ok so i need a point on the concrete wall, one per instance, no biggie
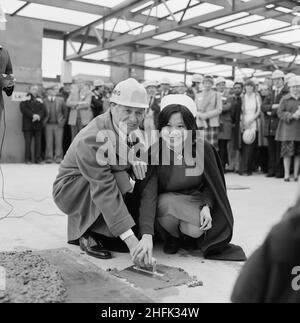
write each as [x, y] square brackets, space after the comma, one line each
[23, 39]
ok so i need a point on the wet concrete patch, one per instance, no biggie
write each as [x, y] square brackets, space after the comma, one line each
[57, 276]
[168, 277]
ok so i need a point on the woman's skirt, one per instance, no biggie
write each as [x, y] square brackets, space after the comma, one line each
[183, 207]
[290, 149]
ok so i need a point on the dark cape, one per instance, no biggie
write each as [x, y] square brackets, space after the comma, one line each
[272, 274]
[216, 243]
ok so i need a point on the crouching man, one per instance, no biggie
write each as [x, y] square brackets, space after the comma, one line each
[95, 195]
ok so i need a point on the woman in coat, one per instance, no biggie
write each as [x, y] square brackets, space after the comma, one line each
[209, 105]
[251, 110]
[288, 132]
[185, 185]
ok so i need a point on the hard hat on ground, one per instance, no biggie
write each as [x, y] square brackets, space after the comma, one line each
[249, 136]
[179, 99]
[130, 93]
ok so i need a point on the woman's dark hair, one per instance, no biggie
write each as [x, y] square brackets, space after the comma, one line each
[188, 118]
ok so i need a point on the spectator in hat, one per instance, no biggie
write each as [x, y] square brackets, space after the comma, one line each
[251, 109]
[179, 88]
[97, 98]
[234, 146]
[270, 107]
[288, 131]
[80, 103]
[196, 88]
[225, 121]
[165, 87]
[209, 105]
[57, 113]
[151, 117]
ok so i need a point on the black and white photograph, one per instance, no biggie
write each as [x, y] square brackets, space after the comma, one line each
[149, 154]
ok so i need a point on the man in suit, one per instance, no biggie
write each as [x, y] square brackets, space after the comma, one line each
[270, 107]
[34, 113]
[7, 81]
[93, 189]
[57, 114]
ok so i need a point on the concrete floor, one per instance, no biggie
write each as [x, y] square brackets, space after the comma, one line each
[256, 210]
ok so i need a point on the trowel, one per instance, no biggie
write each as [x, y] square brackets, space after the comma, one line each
[152, 271]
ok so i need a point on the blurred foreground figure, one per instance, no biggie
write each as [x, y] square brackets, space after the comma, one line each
[272, 274]
[7, 81]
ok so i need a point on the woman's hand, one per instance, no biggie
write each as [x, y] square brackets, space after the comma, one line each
[205, 219]
[142, 253]
[139, 169]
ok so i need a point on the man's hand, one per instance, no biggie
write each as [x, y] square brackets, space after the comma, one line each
[132, 243]
[139, 169]
[142, 253]
[205, 219]
[36, 117]
[275, 106]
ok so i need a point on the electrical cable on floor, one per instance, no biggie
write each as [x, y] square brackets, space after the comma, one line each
[5, 200]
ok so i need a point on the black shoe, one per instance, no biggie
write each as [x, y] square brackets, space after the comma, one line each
[189, 243]
[93, 247]
[249, 174]
[111, 244]
[172, 245]
[287, 180]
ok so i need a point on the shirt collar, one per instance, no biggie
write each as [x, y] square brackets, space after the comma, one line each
[294, 97]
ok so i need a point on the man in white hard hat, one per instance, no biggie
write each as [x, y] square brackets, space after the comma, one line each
[270, 107]
[93, 184]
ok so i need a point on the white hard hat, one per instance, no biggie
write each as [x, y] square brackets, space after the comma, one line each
[220, 80]
[255, 80]
[130, 93]
[150, 83]
[229, 84]
[197, 78]
[98, 83]
[249, 136]
[294, 81]
[165, 81]
[278, 75]
[179, 99]
[289, 76]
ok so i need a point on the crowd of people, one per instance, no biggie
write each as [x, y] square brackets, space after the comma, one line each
[253, 124]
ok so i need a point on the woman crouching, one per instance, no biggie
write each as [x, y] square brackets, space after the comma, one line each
[186, 187]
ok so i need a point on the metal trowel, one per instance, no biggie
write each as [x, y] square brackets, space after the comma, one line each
[152, 271]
